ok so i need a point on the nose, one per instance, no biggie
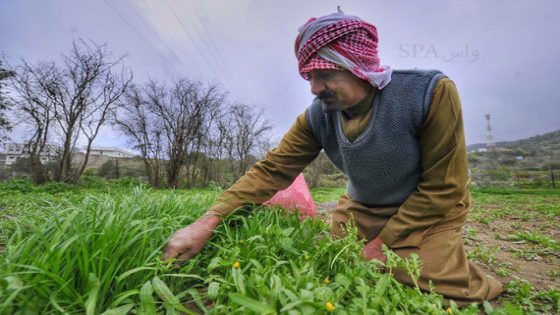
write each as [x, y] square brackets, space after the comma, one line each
[317, 85]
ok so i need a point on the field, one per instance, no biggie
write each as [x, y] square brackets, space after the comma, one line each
[96, 249]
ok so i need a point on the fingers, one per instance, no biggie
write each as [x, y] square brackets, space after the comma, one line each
[175, 249]
[170, 252]
[180, 250]
[373, 250]
[186, 255]
[189, 241]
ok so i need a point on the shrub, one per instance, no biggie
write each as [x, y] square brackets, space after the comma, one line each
[17, 184]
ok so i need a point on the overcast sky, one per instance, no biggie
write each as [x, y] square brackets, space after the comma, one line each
[502, 55]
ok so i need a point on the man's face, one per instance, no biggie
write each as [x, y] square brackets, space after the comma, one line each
[337, 89]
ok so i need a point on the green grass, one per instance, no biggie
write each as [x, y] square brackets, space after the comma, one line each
[75, 256]
[322, 194]
[83, 250]
[101, 253]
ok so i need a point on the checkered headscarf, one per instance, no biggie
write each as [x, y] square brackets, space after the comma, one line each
[339, 41]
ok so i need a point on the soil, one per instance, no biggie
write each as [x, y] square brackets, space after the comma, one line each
[541, 269]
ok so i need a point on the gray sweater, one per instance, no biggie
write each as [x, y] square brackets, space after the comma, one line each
[383, 164]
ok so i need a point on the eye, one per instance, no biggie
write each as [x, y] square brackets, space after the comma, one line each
[324, 75]
[321, 75]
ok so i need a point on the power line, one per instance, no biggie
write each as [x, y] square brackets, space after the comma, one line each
[157, 35]
[162, 57]
[177, 44]
[194, 42]
[214, 49]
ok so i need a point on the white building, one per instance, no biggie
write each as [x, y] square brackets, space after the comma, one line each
[13, 151]
[111, 152]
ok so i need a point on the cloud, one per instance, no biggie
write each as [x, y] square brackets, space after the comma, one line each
[248, 46]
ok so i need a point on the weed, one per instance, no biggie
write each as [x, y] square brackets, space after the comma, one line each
[483, 254]
[503, 272]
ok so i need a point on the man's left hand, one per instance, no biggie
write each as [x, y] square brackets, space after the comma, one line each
[374, 250]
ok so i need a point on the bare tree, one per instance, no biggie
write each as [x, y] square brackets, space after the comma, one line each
[35, 106]
[134, 119]
[179, 117]
[79, 95]
[219, 151]
[250, 130]
[209, 104]
[84, 91]
[5, 125]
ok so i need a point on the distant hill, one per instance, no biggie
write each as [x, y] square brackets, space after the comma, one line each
[534, 160]
[476, 146]
[547, 143]
[550, 140]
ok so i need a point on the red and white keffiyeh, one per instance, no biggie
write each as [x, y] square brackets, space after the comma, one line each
[340, 41]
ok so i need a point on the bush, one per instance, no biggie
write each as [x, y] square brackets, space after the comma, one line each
[17, 184]
[128, 182]
[89, 180]
[54, 187]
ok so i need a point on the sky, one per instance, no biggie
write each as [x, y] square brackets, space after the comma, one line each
[502, 55]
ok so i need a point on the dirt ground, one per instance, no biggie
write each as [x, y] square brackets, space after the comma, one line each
[509, 243]
[517, 259]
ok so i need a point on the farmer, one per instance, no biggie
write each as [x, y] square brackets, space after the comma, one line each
[397, 135]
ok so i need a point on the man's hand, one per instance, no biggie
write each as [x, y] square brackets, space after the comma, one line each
[190, 240]
[373, 250]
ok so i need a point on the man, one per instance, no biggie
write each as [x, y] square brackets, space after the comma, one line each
[397, 135]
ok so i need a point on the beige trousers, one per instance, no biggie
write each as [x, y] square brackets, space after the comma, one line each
[444, 261]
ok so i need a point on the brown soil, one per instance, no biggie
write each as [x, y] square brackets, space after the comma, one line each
[541, 269]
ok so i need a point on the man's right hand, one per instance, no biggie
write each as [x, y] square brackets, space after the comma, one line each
[374, 250]
[190, 240]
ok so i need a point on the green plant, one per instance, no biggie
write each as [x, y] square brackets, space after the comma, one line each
[483, 254]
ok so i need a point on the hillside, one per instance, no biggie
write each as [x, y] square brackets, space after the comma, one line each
[533, 160]
[547, 140]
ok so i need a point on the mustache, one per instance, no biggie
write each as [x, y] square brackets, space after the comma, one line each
[328, 108]
[326, 94]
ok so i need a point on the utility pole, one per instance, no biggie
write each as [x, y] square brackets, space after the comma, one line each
[490, 144]
[552, 170]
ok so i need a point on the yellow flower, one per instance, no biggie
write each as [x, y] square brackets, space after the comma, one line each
[449, 310]
[330, 307]
[327, 280]
[236, 265]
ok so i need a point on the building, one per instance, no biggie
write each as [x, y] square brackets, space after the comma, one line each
[13, 151]
[111, 152]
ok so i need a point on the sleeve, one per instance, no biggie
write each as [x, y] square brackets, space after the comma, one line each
[444, 177]
[276, 172]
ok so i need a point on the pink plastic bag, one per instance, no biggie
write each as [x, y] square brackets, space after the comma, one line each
[296, 196]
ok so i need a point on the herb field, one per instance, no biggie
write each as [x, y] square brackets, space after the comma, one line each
[97, 250]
